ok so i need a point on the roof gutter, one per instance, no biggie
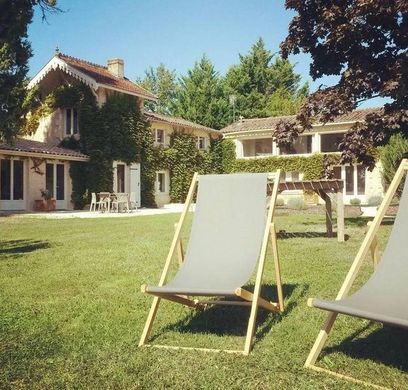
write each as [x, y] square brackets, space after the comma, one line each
[42, 154]
[271, 129]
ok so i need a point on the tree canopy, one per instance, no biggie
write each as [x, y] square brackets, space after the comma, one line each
[366, 44]
[15, 51]
[264, 85]
[260, 85]
[163, 83]
[200, 96]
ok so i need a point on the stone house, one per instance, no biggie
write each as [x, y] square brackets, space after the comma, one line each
[35, 163]
[253, 139]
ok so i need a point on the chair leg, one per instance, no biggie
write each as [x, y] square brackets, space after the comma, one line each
[321, 339]
[149, 322]
[275, 254]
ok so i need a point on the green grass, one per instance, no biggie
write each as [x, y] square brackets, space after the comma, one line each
[71, 312]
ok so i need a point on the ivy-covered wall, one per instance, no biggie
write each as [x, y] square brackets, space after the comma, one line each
[115, 131]
[182, 159]
[118, 131]
[313, 167]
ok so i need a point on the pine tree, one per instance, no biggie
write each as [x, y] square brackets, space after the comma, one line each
[262, 87]
[199, 96]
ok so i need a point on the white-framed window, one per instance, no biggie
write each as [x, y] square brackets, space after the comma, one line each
[354, 177]
[290, 176]
[71, 121]
[159, 136]
[161, 182]
[201, 143]
[301, 145]
[11, 179]
[329, 142]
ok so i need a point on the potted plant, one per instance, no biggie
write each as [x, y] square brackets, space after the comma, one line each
[354, 208]
[47, 203]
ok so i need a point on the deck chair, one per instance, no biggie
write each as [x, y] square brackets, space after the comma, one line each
[228, 238]
[384, 297]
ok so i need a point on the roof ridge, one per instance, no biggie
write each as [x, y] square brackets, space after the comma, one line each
[266, 117]
[170, 117]
[81, 60]
[294, 115]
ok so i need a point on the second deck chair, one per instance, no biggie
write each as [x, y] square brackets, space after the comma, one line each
[384, 297]
[229, 237]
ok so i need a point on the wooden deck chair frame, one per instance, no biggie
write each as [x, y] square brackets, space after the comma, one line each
[367, 245]
[249, 299]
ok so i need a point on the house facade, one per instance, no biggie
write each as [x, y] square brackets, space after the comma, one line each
[253, 139]
[163, 126]
[36, 163]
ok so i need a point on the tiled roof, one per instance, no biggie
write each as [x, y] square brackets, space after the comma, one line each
[102, 76]
[29, 146]
[270, 122]
[175, 121]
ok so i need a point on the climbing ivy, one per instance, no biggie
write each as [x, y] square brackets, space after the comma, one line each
[313, 167]
[115, 131]
[182, 159]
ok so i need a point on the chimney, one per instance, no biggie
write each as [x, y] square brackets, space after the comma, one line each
[116, 66]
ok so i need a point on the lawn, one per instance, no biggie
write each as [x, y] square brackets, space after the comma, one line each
[71, 312]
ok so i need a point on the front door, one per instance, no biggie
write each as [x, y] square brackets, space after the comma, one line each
[135, 183]
[55, 183]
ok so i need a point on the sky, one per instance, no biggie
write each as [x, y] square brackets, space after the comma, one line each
[173, 32]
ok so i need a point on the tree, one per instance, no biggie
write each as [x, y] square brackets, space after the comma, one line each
[391, 156]
[15, 51]
[264, 87]
[199, 96]
[366, 44]
[162, 82]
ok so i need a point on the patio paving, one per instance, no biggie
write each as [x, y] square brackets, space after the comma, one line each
[64, 214]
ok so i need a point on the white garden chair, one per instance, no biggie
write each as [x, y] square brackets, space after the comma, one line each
[121, 199]
[132, 201]
[104, 203]
[95, 203]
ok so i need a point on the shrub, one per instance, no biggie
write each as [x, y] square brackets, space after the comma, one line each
[374, 200]
[312, 167]
[296, 203]
[391, 156]
[279, 201]
[355, 201]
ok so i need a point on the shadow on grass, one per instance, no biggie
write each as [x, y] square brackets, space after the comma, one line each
[233, 320]
[16, 248]
[284, 235]
[362, 221]
[386, 345]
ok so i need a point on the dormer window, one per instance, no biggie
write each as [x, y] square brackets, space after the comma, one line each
[71, 121]
[159, 137]
[201, 144]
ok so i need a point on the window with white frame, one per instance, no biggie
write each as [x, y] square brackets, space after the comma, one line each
[263, 146]
[159, 136]
[71, 121]
[330, 142]
[291, 176]
[161, 181]
[201, 144]
[354, 177]
[301, 145]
